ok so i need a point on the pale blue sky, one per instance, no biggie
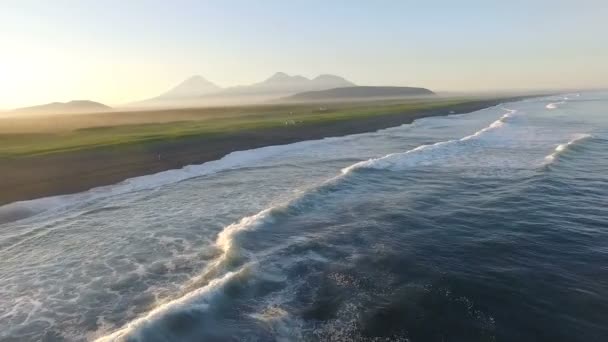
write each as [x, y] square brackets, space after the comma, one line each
[120, 51]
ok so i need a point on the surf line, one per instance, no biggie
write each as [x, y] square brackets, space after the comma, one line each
[392, 159]
[234, 262]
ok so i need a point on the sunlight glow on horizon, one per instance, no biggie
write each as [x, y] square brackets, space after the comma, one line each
[119, 52]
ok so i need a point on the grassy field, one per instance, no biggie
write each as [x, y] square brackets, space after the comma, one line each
[20, 137]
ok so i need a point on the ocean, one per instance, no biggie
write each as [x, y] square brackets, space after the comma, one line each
[486, 226]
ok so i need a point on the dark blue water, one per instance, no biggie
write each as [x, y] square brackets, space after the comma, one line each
[490, 226]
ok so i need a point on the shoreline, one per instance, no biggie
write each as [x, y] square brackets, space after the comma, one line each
[72, 172]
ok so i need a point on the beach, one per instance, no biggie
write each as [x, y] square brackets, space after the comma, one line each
[31, 177]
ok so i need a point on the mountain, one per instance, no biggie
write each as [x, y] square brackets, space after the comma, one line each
[77, 106]
[283, 84]
[197, 91]
[327, 81]
[194, 86]
[359, 93]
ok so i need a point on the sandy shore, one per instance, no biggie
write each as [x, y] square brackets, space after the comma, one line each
[63, 173]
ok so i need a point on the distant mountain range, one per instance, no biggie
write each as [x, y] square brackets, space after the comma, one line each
[197, 90]
[77, 106]
[194, 86]
[281, 83]
[361, 92]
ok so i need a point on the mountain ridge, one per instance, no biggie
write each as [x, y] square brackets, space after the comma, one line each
[193, 86]
[74, 106]
[360, 92]
[198, 89]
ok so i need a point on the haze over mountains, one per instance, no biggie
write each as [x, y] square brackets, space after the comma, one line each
[360, 92]
[192, 87]
[76, 106]
[197, 89]
[281, 83]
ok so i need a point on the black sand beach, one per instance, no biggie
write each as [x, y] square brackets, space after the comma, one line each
[69, 172]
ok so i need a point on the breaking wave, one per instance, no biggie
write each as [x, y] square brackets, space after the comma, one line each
[554, 105]
[234, 261]
[235, 160]
[199, 300]
[559, 149]
[233, 264]
[424, 154]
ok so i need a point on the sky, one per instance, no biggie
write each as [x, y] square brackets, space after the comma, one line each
[118, 51]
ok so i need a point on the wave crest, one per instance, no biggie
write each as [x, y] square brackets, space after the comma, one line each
[425, 153]
[554, 105]
[199, 300]
[23, 209]
[234, 260]
[559, 149]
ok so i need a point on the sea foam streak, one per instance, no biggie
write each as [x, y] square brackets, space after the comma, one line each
[554, 105]
[199, 300]
[23, 209]
[222, 270]
[232, 263]
[559, 149]
[425, 153]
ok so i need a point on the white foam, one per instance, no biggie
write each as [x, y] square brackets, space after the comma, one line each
[283, 326]
[425, 153]
[554, 105]
[226, 243]
[215, 276]
[559, 149]
[234, 160]
[198, 300]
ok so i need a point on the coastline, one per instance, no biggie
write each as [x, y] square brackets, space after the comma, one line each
[72, 172]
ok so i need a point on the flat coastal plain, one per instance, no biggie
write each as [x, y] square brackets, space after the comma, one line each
[42, 156]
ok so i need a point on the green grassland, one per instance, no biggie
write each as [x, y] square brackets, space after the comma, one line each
[62, 133]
